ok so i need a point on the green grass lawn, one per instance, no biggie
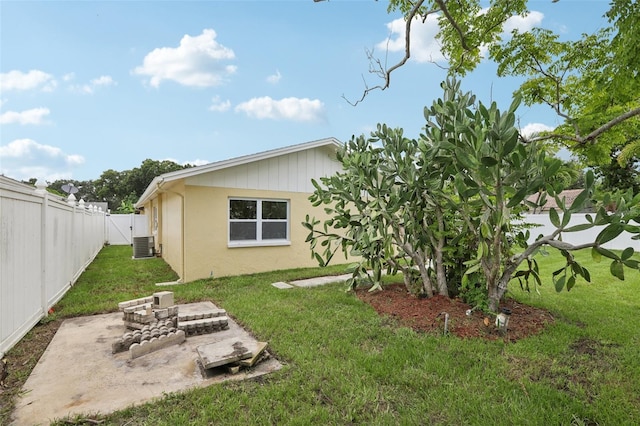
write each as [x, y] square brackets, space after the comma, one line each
[343, 364]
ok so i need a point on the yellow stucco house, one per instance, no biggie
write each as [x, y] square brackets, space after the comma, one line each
[241, 215]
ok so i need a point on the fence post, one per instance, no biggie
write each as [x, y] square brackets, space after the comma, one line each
[41, 189]
[44, 254]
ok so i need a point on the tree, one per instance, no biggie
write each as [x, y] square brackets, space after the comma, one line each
[389, 203]
[110, 187]
[383, 209]
[139, 178]
[619, 177]
[119, 189]
[127, 186]
[573, 174]
[86, 189]
[30, 181]
[592, 83]
[126, 207]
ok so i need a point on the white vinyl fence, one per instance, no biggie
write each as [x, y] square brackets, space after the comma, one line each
[582, 237]
[122, 228]
[45, 244]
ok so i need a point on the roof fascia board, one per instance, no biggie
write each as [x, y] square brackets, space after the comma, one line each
[158, 181]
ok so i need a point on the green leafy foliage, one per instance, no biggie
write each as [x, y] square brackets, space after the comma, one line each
[590, 82]
[119, 189]
[382, 208]
[444, 205]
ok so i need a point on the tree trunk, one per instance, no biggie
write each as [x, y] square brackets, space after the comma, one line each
[377, 274]
[418, 258]
[408, 279]
[427, 286]
[441, 275]
[497, 290]
[494, 299]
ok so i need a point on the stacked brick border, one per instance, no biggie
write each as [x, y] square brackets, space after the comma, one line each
[156, 324]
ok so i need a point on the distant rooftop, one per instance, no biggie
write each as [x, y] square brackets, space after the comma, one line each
[569, 196]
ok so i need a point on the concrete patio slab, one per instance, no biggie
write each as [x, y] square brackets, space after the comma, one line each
[314, 282]
[79, 374]
[223, 352]
[282, 285]
[168, 283]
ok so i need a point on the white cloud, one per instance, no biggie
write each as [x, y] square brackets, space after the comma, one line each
[294, 109]
[523, 23]
[26, 158]
[219, 105]
[103, 80]
[516, 22]
[31, 116]
[34, 79]
[424, 46]
[198, 61]
[533, 129]
[69, 76]
[196, 162]
[88, 89]
[274, 78]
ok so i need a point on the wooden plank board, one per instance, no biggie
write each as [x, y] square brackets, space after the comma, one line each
[249, 362]
[223, 352]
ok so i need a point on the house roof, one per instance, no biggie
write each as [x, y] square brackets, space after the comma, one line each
[569, 196]
[153, 187]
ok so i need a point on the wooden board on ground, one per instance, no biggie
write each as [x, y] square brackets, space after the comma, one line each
[255, 355]
[223, 352]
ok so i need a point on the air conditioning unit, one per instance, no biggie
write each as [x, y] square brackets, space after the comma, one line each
[143, 247]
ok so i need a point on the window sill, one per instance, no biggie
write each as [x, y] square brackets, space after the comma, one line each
[267, 243]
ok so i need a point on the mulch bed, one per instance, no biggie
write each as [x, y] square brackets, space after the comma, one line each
[428, 314]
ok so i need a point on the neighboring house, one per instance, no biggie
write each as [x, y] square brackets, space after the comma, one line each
[241, 215]
[569, 196]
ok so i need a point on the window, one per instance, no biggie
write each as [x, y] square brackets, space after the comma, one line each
[261, 222]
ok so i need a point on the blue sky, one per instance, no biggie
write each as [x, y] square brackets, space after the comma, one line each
[88, 86]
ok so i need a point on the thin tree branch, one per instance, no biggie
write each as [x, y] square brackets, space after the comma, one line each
[557, 81]
[454, 24]
[591, 137]
[554, 136]
[386, 72]
[562, 245]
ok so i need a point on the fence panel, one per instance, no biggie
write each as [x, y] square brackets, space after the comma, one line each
[45, 243]
[20, 273]
[121, 228]
[582, 237]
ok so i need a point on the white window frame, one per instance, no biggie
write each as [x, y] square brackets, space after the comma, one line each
[259, 242]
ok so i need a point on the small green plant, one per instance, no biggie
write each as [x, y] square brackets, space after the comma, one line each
[474, 294]
[47, 319]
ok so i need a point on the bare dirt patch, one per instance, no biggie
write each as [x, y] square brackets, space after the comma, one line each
[428, 314]
[21, 360]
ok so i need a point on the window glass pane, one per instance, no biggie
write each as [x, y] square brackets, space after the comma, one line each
[274, 209]
[243, 209]
[242, 231]
[274, 230]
